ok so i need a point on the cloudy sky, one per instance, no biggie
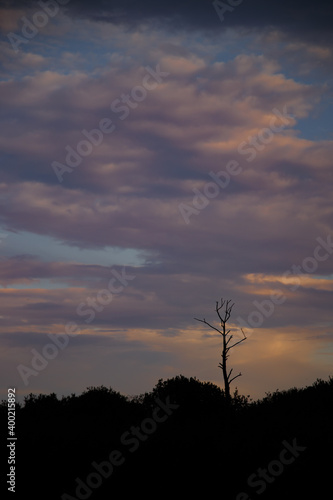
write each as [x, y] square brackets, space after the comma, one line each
[155, 157]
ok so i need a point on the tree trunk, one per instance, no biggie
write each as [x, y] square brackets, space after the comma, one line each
[224, 367]
[224, 318]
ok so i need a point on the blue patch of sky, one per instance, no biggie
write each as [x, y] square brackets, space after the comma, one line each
[49, 249]
[318, 125]
[92, 54]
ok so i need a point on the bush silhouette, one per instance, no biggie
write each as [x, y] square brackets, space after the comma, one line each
[202, 444]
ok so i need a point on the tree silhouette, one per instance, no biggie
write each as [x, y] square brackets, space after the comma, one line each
[224, 317]
[77, 433]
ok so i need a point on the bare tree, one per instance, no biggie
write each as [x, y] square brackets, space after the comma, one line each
[224, 316]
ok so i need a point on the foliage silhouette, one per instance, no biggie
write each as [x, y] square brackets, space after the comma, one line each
[202, 445]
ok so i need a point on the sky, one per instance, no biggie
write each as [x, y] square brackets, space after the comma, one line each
[155, 158]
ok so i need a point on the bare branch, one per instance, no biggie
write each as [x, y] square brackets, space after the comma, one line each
[227, 312]
[227, 342]
[222, 304]
[239, 375]
[218, 311]
[236, 343]
[223, 310]
[228, 309]
[206, 323]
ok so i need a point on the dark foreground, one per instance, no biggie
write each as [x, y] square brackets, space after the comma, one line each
[182, 439]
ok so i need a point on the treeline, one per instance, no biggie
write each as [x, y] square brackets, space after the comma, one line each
[182, 438]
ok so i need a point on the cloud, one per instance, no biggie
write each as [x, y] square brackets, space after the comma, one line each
[301, 280]
[216, 105]
[299, 19]
[38, 340]
[199, 115]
